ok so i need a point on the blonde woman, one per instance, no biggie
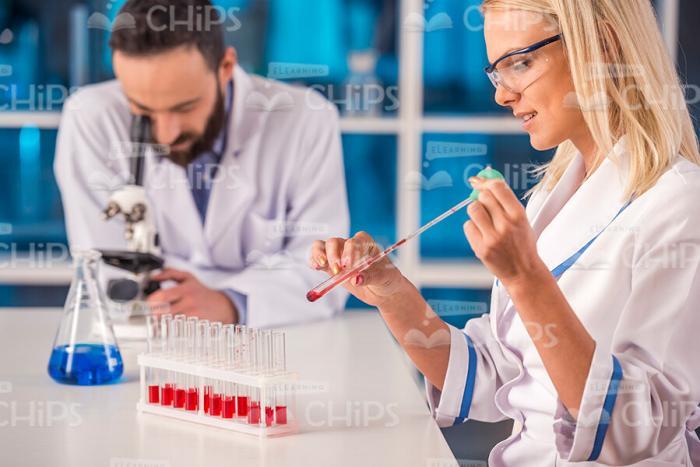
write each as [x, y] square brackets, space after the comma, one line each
[592, 339]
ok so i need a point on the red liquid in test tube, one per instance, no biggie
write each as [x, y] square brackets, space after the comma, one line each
[254, 413]
[229, 407]
[192, 399]
[207, 398]
[281, 415]
[227, 399]
[179, 399]
[153, 344]
[207, 351]
[269, 415]
[167, 387]
[191, 354]
[281, 392]
[166, 394]
[216, 405]
[154, 394]
[242, 406]
[177, 346]
[312, 296]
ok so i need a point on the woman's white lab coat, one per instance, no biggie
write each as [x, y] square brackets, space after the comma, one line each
[637, 291]
[279, 186]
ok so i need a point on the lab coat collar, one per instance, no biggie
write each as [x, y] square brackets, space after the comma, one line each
[548, 205]
[222, 140]
[244, 125]
[242, 122]
[576, 209]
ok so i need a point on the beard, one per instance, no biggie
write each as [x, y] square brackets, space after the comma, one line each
[204, 142]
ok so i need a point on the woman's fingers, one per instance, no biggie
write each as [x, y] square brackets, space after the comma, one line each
[369, 246]
[473, 235]
[334, 250]
[358, 248]
[502, 193]
[318, 258]
[380, 278]
[481, 218]
[350, 253]
[377, 273]
[344, 254]
[498, 215]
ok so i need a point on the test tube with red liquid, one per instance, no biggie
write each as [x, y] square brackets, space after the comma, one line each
[267, 403]
[279, 366]
[167, 386]
[192, 400]
[203, 357]
[228, 396]
[153, 346]
[254, 343]
[180, 393]
[243, 361]
[215, 352]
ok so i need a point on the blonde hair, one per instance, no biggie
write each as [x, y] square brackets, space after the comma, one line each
[615, 51]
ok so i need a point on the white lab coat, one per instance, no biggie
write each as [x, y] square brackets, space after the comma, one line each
[279, 186]
[636, 290]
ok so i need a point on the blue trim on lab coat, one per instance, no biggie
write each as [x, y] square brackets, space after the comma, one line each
[563, 267]
[469, 384]
[608, 406]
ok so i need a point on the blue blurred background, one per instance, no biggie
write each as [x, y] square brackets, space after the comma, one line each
[47, 48]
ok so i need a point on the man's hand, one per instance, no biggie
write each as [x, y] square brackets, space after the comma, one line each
[192, 298]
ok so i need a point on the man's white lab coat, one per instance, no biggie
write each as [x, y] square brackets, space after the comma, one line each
[637, 291]
[279, 186]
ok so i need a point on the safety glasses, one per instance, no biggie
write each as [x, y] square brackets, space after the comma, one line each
[520, 68]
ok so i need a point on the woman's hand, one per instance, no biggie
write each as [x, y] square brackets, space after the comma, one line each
[375, 285]
[499, 232]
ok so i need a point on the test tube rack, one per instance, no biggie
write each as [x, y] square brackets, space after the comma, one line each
[204, 376]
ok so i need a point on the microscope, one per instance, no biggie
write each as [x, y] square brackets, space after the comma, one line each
[142, 255]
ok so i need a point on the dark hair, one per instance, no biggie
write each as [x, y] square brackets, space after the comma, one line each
[147, 27]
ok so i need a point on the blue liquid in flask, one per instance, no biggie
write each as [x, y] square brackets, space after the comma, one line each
[86, 364]
[85, 350]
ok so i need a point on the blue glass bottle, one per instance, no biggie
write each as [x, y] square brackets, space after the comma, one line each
[85, 350]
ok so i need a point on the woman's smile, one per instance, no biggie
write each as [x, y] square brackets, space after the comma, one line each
[527, 119]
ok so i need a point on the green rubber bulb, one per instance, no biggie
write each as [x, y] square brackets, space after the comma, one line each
[488, 173]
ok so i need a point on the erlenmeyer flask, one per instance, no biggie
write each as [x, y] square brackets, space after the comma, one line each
[85, 350]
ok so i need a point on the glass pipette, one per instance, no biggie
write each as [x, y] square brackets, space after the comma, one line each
[332, 282]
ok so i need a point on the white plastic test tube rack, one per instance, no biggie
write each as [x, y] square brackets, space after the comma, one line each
[246, 364]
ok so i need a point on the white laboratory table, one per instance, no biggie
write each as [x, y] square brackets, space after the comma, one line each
[366, 407]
